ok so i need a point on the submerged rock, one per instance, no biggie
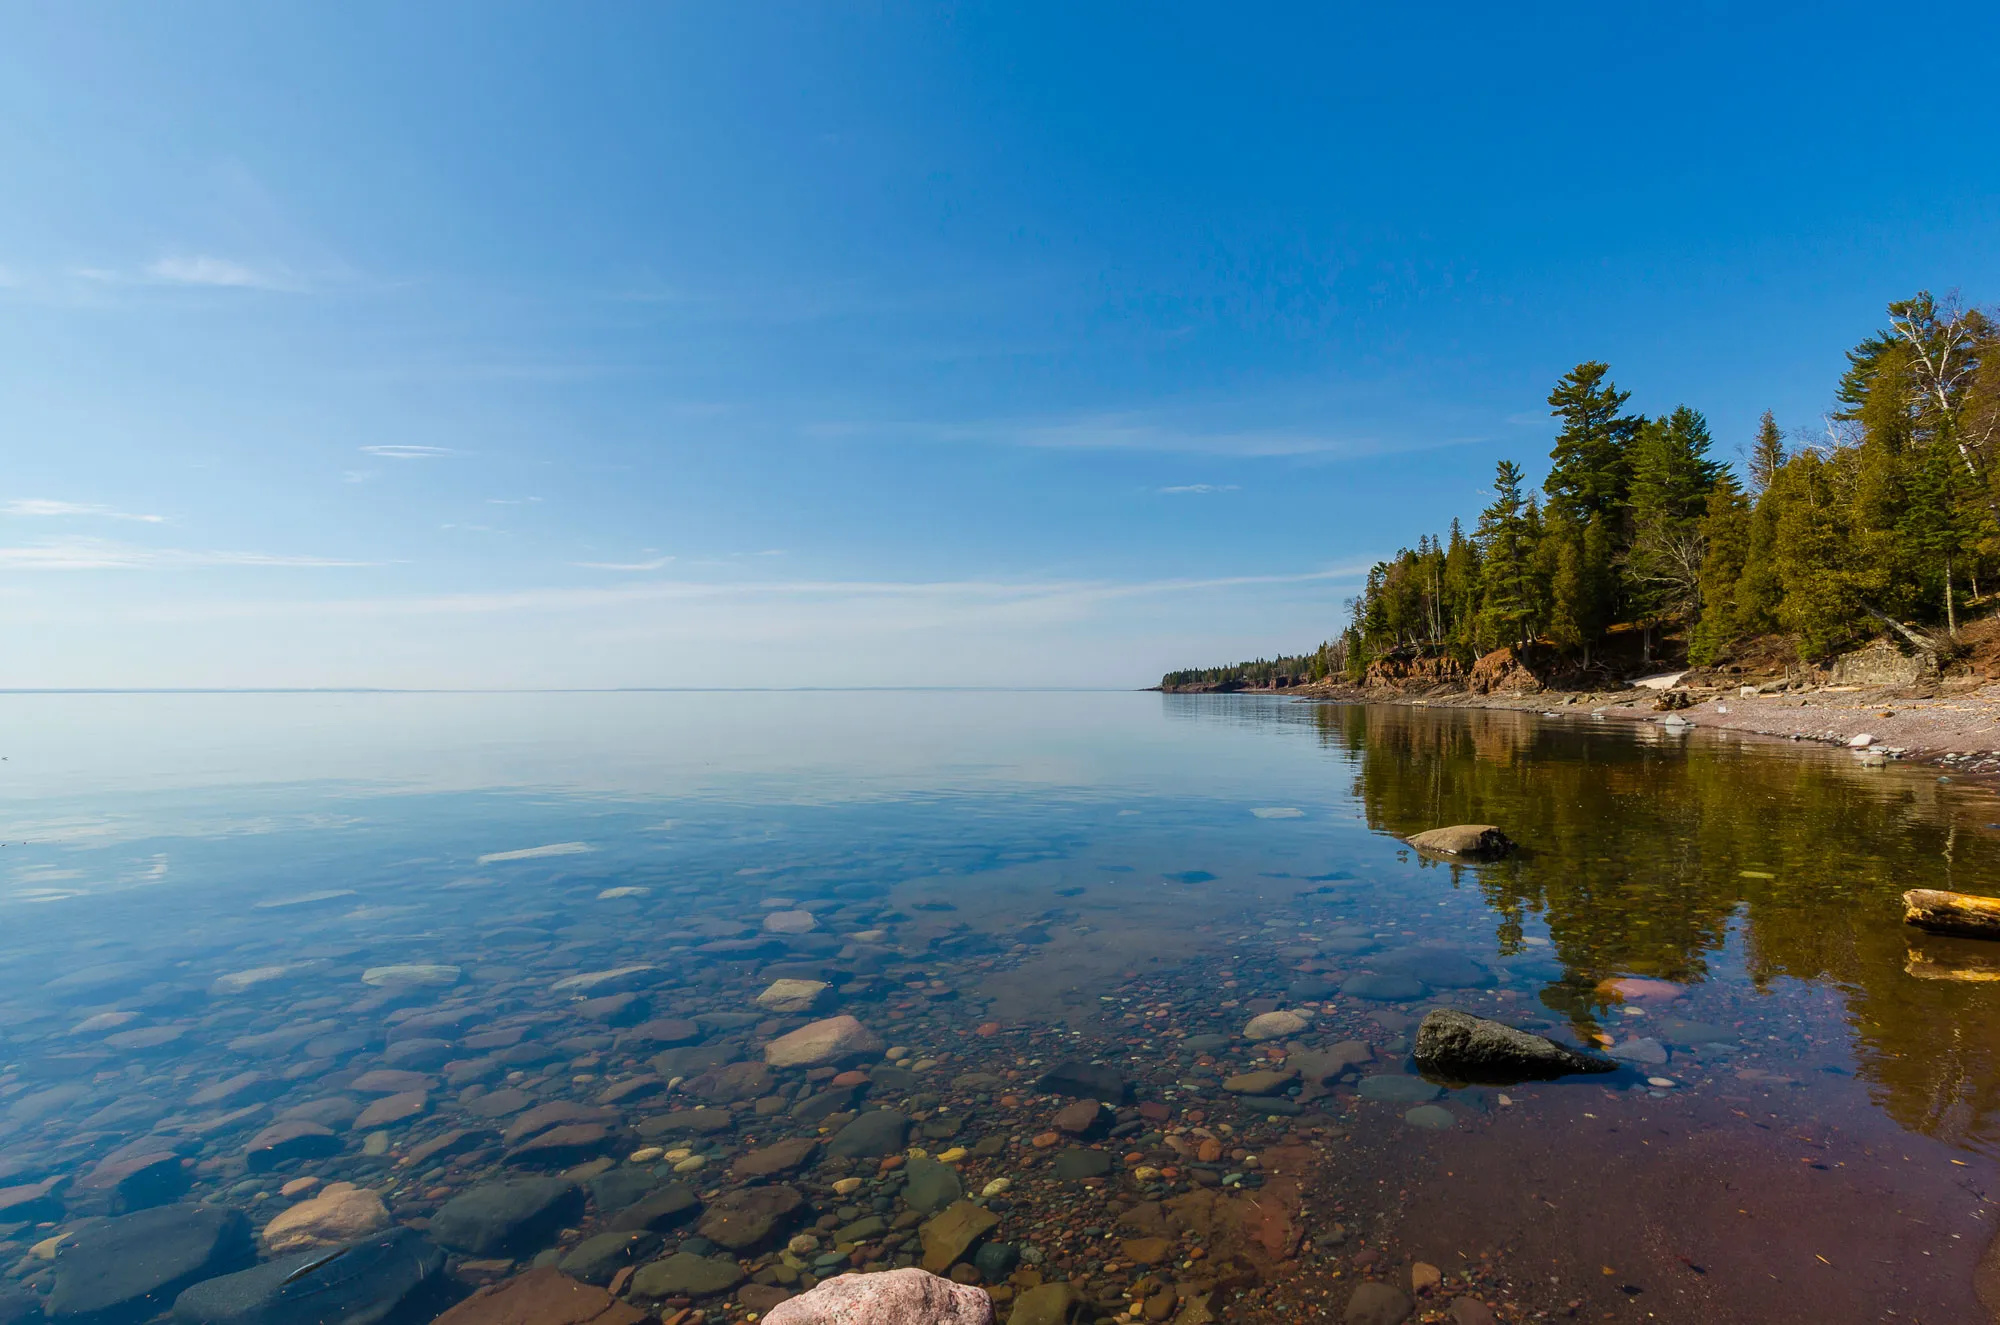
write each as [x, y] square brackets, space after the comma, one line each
[821, 1042]
[1377, 1304]
[132, 1267]
[506, 1217]
[684, 1272]
[1275, 1025]
[948, 1237]
[1462, 1047]
[1470, 841]
[360, 1284]
[891, 1297]
[740, 1220]
[341, 1213]
[545, 1296]
[1081, 1080]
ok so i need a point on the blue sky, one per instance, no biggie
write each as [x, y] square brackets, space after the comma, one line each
[890, 344]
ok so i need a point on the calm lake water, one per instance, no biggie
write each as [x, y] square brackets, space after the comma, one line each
[251, 941]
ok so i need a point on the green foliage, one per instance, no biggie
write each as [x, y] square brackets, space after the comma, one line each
[1264, 673]
[1726, 526]
[1895, 516]
[1590, 468]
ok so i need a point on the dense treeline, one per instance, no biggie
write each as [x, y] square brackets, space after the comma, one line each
[1891, 516]
[1263, 674]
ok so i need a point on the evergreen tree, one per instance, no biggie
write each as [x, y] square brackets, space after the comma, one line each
[1591, 470]
[1766, 454]
[1726, 533]
[1506, 553]
[1671, 478]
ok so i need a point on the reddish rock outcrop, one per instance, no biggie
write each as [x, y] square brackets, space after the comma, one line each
[891, 1297]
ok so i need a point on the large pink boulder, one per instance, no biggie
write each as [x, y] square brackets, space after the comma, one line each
[828, 1041]
[892, 1297]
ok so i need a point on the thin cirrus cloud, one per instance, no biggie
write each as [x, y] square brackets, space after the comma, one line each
[1133, 432]
[204, 269]
[1197, 489]
[928, 597]
[103, 554]
[395, 452]
[42, 507]
[657, 563]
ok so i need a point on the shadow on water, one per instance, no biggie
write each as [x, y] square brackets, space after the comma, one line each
[1644, 852]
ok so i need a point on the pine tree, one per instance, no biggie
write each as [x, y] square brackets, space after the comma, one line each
[1767, 453]
[1506, 574]
[1591, 470]
[1726, 531]
[1671, 479]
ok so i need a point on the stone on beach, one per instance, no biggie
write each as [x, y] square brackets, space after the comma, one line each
[1461, 1047]
[1470, 841]
[889, 1297]
[790, 922]
[831, 1040]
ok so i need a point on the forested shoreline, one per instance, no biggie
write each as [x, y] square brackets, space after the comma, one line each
[1885, 517]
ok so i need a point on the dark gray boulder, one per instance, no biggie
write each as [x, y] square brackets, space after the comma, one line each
[1457, 1046]
[1466, 841]
[659, 1210]
[1377, 1304]
[871, 1135]
[507, 1218]
[132, 1267]
[362, 1283]
[1084, 1081]
[598, 1260]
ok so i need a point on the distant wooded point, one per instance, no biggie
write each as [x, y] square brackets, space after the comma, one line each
[1886, 517]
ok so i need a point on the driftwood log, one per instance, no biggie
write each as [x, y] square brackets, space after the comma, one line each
[1963, 914]
[1978, 966]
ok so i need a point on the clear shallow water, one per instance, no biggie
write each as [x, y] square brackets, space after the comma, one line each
[1093, 875]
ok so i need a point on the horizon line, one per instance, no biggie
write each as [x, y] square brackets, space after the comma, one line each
[559, 690]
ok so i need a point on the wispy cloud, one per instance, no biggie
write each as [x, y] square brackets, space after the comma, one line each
[410, 452]
[103, 554]
[205, 269]
[657, 563]
[929, 600]
[1120, 432]
[42, 506]
[1198, 488]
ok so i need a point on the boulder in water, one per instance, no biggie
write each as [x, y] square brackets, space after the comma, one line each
[1461, 1047]
[132, 1267]
[1468, 841]
[358, 1284]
